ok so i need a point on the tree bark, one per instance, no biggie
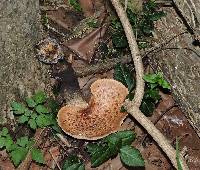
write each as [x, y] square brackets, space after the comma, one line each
[179, 60]
[20, 73]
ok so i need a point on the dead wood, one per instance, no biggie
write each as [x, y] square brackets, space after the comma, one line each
[101, 66]
[179, 60]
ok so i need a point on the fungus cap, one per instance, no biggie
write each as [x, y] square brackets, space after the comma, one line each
[100, 117]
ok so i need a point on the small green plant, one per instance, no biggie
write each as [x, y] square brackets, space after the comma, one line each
[153, 84]
[124, 75]
[73, 163]
[113, 144]
[118, 36]
[178, 155]
[142, 24]
[75, 4]
[19, 149]
[151, 97]
[156, 80]
[38, 111]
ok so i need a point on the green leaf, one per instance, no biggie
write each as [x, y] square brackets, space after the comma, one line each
[150, 6]
[23, 141]
[73, 163]
[147, 29]
[119, 40]
[56, 128]
[151, 78]
[164, 84]
[18, 155]
[132, 17]
[131, 156]
[30, 102]
[116, 25]
[102, 152]
[8, 143]
[109, 146]
[77, 166]
[23, 119]
[41, 109]
[32, 123]
[40, 97]
[126, 136]
[31, 142]
[114, 143]
[4, 132]
[124, 75]
[53, 105]
[157, 80]
[37, 155]
[179, 164]
[147, 106]
[72, 159]
[99, 154]
[12, 147]
[28, 112]
[2, 142]
[44, 120]
[152, 94]
[75, 4]
[157, 15]
[34, 115]
[150, 99]
[18, 108]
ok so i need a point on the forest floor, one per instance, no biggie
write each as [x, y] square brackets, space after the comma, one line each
[84, 62]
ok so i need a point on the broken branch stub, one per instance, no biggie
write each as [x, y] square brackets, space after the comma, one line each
[99, 118]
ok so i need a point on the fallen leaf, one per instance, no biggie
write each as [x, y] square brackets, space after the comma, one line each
[84, 48]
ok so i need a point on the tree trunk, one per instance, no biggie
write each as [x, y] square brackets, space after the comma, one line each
[179, 60]
[20, 73]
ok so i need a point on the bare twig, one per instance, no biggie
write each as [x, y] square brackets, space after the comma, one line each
[126, 5]
[55, 160]
[101, 67]
[139, 92]
[63, 140]
[133, 106]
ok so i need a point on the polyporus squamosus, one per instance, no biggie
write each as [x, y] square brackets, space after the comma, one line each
[99, 118]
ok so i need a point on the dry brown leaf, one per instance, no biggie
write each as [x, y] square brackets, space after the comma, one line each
[85, 47]
[87, 7]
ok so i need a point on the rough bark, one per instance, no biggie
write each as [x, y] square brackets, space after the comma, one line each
[179, 60]
[20, 72]
[190, 13]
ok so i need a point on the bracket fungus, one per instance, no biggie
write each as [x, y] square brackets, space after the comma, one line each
[99, 118]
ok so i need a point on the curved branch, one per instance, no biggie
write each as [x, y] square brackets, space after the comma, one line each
[139, 91]
[132, 107]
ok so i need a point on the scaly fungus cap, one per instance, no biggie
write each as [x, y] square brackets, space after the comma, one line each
[100, 117]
